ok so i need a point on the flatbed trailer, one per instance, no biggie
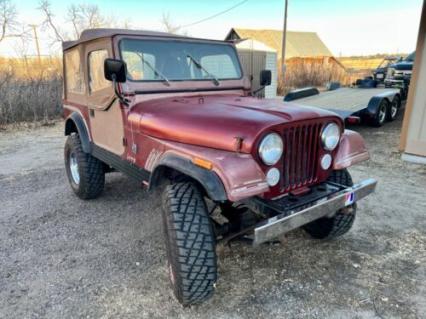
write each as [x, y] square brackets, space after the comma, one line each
[374, 106]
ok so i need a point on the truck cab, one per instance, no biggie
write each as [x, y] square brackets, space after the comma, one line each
[399, 74]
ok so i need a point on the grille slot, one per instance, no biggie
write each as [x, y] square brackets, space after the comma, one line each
[300, 162]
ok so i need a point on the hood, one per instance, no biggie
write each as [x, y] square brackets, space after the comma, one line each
[216, 121]
[403, 66]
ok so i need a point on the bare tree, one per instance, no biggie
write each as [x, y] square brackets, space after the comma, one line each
[85, 16]
[8, 23]
[79, 16]
[48, 19]
[74, 18]
[168, 24]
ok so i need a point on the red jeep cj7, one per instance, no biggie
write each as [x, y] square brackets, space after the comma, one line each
[177, 113]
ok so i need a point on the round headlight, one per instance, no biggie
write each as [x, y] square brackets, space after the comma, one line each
[330, 136]
[271, 149]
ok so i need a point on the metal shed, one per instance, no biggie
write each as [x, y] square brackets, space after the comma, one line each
[255, 57]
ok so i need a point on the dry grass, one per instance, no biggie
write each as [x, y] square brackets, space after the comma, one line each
[303, 72]
[360, 63]
[30, 90]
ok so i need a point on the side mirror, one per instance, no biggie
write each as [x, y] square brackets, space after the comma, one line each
[115, 70]
[265, 77]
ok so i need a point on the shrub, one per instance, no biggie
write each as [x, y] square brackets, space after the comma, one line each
[303, 72]
[30, 90]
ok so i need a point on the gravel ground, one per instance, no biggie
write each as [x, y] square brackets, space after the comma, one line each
[61, 257]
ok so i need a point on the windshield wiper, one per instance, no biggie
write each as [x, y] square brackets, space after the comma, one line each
[198, 65]
[158, 73]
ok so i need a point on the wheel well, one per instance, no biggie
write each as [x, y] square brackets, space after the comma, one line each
[177, 169]
[164, 174]
[75, 124]
[70, 127]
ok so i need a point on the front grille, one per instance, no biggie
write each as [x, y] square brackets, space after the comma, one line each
[301, 152]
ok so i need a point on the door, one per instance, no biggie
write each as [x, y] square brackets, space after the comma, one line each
[106, 118]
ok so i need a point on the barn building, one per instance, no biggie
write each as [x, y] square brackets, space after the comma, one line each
[303, 50]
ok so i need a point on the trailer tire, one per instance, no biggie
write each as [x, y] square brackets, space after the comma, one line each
[190, 243]
[393, 108]
[342, 221]
[381, 113]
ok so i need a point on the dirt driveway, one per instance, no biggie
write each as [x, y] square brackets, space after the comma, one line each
[61, 257]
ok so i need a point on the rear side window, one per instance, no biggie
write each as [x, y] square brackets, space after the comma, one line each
[74, 72]
[97, 79]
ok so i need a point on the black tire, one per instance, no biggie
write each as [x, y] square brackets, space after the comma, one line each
[393, 108]
[86, 174]
[342, 221]
[404, 93]
[190, 243]
[381, 113]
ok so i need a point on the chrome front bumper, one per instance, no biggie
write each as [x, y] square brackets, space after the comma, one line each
[276, 226]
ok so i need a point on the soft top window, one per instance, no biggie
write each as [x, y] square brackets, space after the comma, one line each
[96, 61]
[159, 60]
[74, 72]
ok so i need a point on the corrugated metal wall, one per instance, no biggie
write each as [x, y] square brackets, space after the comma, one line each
[271, 64]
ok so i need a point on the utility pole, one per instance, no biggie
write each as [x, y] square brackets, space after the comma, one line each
[34, 26]
[283, 66]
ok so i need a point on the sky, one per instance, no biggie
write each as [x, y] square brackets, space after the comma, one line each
[349, 27]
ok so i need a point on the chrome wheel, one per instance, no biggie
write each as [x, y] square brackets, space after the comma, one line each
[75, 175]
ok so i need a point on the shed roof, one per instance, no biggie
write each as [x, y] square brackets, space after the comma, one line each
[253, 45]
[298, 44]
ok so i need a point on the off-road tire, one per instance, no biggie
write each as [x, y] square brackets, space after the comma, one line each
[342, 221]
[190, 243]
[91, 171]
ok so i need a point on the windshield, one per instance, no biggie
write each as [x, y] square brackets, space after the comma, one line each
[159, 60]
[411, 57]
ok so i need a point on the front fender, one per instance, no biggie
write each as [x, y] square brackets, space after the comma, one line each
[238, 174]
[207, 178]
[352, 150]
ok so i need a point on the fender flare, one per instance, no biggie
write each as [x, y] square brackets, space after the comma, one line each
[76, 120]
[374, 103]
[208, 179]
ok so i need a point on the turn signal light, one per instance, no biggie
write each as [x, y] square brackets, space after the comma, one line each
[202, 163]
